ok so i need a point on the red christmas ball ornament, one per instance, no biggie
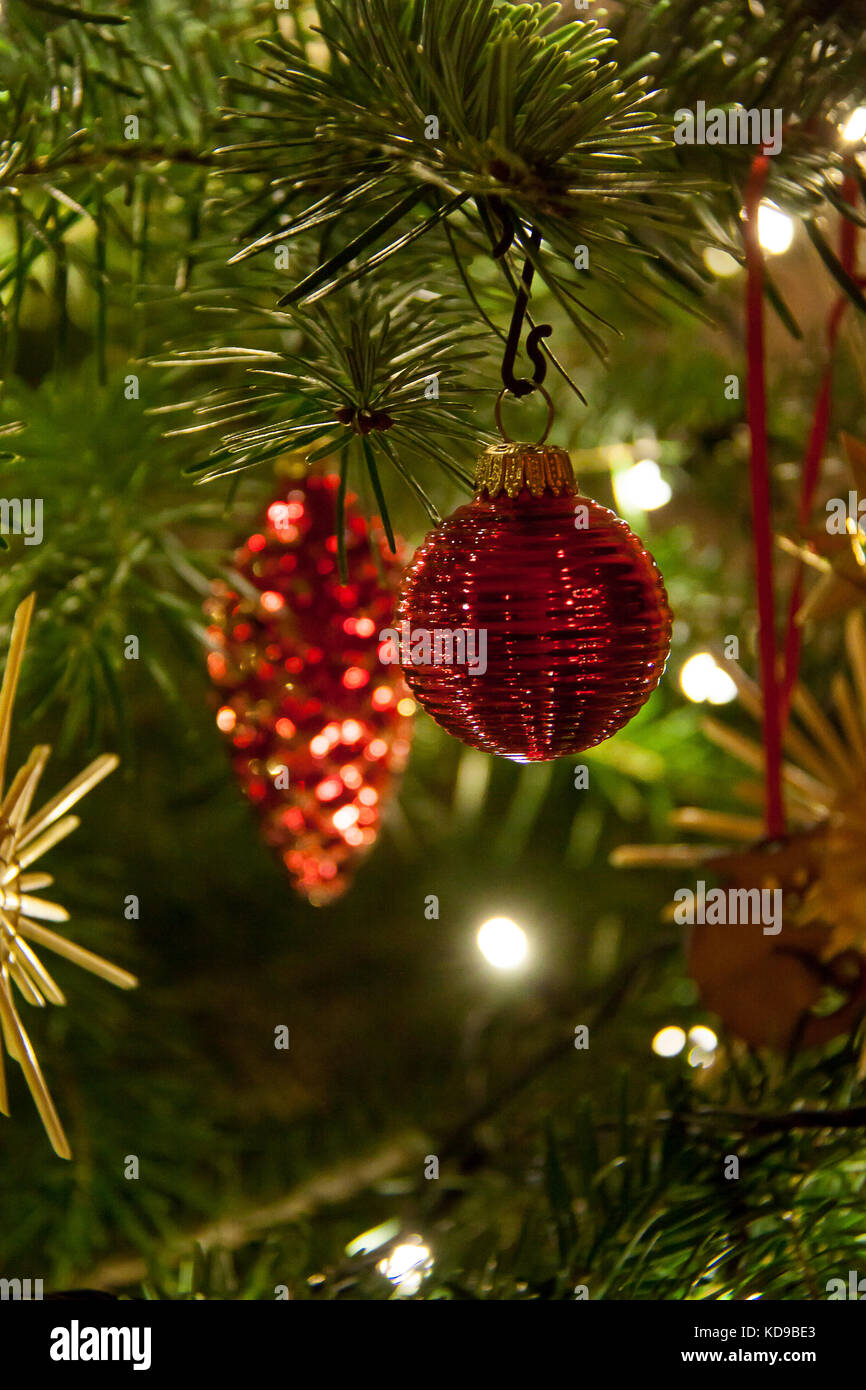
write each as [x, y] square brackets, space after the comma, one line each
[532, 623]
[318, 727]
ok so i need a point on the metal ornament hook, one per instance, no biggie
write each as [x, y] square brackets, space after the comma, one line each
[521, 386]
[498, 415]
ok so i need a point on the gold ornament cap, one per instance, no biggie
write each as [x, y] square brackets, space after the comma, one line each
[509, 468]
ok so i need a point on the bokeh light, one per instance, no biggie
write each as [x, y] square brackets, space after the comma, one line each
[502, 943]
[854, 128]
[641, 488]
[775, 229]
[702, 679]
[669, 1042]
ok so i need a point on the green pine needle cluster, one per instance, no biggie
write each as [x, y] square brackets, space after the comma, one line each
[534, 127]
[379, 375]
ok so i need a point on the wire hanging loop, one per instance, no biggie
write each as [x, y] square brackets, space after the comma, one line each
[498, 416]
[522, 386]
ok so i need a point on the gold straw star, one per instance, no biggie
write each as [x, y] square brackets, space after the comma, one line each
[823, 780]
[840, 559]
[23, 840]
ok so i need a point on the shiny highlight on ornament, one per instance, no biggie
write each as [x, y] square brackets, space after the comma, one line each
[355, 678]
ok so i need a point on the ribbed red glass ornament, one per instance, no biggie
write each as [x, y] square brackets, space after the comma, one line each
[573, 606]
[318, 727]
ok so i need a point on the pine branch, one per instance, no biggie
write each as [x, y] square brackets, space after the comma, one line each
[802, 58]
[108, 563]
[382, 375]
[531, 119]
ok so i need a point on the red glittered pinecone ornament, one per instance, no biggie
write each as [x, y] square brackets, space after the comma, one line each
[319, 728]
[566, 600]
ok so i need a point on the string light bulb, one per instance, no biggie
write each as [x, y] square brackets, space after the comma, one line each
[502, 943]
[775, 228]
[406, 1265]
[669, 1041]
[641, 488]
[703, 680]
[854, 128]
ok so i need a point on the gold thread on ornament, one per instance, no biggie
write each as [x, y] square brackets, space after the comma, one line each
[22, 841]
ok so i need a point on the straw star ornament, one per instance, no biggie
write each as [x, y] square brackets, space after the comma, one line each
[823, 781]
[24, 838]
[838, 555]
[766, 988]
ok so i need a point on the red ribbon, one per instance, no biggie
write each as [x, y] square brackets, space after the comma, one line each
[776, 695]
[815, 447]
[756, 407]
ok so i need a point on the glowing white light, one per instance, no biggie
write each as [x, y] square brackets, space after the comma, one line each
[699, 1057]
[720, 262]
[370, 1240]
[669, 1041]
[502, 942]
[775, 229]
[406, 1266]
[855, 127]
[702, 678]
[641, 488]
[704, 1038]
